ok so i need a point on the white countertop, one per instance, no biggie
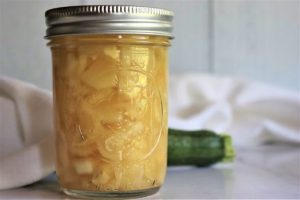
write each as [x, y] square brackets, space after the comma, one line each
[269, 172]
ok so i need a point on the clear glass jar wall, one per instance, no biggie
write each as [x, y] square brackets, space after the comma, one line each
[110, 101]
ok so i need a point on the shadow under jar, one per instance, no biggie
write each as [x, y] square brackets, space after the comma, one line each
[110, 75]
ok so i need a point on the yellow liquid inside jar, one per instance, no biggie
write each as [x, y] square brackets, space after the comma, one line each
[110, 102]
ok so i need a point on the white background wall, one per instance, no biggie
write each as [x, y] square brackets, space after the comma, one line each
[253, 39]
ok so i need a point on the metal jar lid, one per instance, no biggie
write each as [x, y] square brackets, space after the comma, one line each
[108, 19]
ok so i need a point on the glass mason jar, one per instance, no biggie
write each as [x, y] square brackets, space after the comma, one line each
[110, 75]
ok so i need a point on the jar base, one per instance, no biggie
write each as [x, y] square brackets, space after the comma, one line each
[110, 195]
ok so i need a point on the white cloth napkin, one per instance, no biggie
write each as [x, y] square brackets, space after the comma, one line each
[252, 113]
[26, 137]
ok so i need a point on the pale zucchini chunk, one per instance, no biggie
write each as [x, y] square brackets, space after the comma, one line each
[83, 166]
[103, 175]
[100, 73]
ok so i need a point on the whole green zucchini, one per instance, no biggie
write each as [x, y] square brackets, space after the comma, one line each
[200, 148]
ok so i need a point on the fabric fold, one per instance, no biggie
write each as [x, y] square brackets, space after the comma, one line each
[26, 139]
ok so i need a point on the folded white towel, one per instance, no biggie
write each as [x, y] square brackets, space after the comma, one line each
[252, 113]
[26, 137]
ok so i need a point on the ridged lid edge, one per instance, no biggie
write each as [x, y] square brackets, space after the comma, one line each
[106, 9]
[108, 19]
